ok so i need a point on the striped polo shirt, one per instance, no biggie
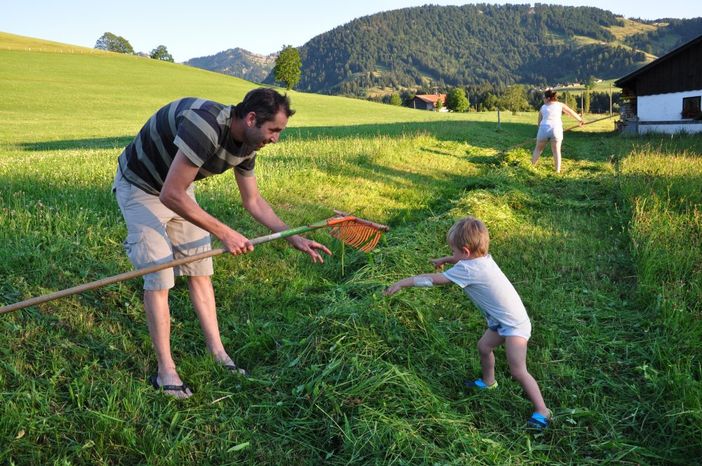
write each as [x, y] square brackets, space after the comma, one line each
[200, 129]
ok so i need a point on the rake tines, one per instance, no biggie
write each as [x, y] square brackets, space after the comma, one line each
[357, 233]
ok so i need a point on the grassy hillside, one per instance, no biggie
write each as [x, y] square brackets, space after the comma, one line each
[630, 27]
[65, 94]
[30, 44]
[341, 375]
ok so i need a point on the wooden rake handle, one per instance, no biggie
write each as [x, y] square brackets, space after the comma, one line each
[156, 267]
[108, 281]
[585, 123]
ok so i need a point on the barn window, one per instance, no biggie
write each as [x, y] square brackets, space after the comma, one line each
[691, 107]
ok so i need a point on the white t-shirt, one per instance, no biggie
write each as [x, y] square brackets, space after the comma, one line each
[490, 290]
[551, 115]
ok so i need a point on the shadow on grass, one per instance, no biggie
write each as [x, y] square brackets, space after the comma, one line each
[117, 142]
[481, 134]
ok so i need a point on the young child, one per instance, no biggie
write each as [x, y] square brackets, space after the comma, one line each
[482, 280]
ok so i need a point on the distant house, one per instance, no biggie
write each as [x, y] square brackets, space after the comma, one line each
[427, 101]
[665, 95]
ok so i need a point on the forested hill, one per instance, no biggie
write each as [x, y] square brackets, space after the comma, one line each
[468, 45]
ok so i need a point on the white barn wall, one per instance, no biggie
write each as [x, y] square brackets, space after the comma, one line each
[665, 108]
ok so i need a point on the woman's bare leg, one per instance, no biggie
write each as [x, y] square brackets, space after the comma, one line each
[556, 149]
[540, 146]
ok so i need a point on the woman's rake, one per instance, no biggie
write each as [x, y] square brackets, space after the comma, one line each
[356, 232]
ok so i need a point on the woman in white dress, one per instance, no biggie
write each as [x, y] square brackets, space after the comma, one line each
[551, 127]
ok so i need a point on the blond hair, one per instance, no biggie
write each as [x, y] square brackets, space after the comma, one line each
[471, 233]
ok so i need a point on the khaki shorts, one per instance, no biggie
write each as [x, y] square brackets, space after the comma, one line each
[156, 234]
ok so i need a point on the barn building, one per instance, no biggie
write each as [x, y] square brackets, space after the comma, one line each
[665, 95]
[428, 101]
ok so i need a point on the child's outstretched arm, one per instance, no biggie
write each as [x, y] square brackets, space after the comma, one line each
[439, 263]
[427, 279]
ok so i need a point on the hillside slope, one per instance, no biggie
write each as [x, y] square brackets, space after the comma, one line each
[63, 88]
[671, 34]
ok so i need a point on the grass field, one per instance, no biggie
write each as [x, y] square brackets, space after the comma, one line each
[606, 257]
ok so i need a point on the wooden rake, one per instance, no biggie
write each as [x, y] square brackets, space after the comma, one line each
[531, 140]
[356, 232]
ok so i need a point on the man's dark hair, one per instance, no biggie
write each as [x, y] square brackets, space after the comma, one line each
[265, 103]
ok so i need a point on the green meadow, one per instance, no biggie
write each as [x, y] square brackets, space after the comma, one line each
[606, 257]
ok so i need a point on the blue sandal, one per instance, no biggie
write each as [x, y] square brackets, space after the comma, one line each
[480, 385]
[538, 421]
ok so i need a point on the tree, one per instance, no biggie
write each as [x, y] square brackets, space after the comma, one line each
[457, 101]
[407, 98]
[439, 104]
[586, 102]
[491, 102]
[114, 43]
[161, 53]
[571, 101]
[287, 67]
[395, 100]
[589, 86]
[514, 99]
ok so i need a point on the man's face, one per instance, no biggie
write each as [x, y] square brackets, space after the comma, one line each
[269, 132]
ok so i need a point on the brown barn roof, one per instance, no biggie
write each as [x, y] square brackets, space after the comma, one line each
[431, 98]
[629, 78]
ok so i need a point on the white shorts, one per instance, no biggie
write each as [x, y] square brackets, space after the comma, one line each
[156, 234]
[522, 330]
[549, 132]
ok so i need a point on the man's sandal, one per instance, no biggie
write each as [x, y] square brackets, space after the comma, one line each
[480, 385]
[169, 388]
[236, 370]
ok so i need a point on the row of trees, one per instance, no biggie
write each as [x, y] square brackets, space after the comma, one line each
[515, 98]
[114, 43]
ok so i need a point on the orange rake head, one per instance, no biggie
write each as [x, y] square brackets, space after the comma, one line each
[356, 232]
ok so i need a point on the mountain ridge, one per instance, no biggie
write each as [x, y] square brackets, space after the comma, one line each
[237, 62]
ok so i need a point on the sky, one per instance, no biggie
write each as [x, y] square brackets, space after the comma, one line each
[192, 29]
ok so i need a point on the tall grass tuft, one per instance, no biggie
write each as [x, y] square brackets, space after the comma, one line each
[662, 189]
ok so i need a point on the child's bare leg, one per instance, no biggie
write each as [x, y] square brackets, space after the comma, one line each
[516, 350]
[556, 149]
[540, 146]
[486, 344]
